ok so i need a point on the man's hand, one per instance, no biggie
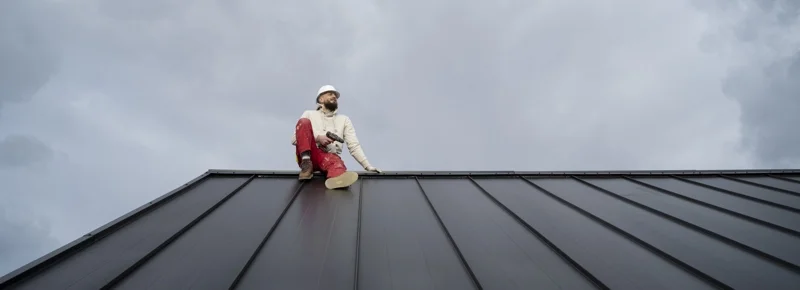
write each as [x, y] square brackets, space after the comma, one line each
[324, 140]
[373, 169]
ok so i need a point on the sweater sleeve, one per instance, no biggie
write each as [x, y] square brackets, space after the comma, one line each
[353, 145]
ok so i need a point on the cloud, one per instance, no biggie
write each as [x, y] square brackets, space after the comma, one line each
[766, 82]
[22, 240]
[134, 98]
[21, 150]
[770, 97]
[551, 85]
[26, 50]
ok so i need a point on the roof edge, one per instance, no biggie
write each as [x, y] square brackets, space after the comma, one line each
[54, 256]
[517, 173]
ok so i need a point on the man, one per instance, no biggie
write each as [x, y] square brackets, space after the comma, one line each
[317, 152]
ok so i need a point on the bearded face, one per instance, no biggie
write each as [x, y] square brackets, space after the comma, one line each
[329, 101]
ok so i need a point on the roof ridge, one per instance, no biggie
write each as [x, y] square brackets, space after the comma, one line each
[516, 173]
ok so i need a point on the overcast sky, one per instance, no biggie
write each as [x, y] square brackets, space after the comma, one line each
[105, 105]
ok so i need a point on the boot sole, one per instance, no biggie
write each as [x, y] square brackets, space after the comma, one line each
[341, 181]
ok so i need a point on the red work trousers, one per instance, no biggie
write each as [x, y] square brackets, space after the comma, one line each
[329, 163]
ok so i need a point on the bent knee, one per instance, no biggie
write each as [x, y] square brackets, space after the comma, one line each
[304, 121]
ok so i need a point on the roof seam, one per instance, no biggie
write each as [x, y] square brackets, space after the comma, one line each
[691, 226]
[130, 270]
[736, 194]
[677, 262]
[258, 249]
[96, 235]
[716, 207]
[574, 264]
[358, 234]
[761, 185]
[784, 178]
[449, 237]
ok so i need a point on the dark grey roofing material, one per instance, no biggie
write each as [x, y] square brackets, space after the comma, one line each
[447, 230]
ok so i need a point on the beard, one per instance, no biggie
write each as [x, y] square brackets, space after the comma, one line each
[331, 106]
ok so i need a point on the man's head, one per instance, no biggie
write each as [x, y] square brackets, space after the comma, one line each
[328, 97]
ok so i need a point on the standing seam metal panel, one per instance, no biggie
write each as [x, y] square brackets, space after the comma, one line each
[615, 259]
[210, 254]
[751, 192]
[518, 260]
[696, 249]
[772, 214]
[607, 230]
[313, 246]
[471, 274]
[778, 246]
[92, 268]
[402, 245]
[770, 183]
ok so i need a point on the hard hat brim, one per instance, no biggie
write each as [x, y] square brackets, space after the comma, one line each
[329, 91]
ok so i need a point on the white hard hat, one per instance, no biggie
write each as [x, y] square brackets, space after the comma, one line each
[327, 88]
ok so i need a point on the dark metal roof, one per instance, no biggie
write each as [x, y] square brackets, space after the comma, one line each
[446, 230]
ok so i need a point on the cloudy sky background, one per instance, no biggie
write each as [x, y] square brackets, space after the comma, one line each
[105, 105]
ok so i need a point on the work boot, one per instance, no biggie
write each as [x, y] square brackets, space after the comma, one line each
[306, 169]
[341, 181]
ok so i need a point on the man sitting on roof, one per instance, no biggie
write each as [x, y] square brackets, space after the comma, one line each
[318, 152]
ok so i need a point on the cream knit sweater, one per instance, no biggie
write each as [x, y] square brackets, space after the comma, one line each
[323, 121]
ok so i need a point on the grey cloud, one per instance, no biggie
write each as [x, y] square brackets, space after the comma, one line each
[24, 234]
[770, 102]
[21, 150]
[27, 50]
[528, 88]
[22, 239]
[786, 11]
[766, 82]
[141, 11]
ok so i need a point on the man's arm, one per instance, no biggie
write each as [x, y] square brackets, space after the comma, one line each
[353, 145]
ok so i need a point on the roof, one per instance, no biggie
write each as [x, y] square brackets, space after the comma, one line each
[446, 230]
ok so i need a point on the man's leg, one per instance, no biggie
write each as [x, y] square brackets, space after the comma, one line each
[330, 163]
[306, 148]
[311, 158]
[336, 171]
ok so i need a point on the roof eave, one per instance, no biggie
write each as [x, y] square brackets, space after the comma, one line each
[521, 173]
[87, 239]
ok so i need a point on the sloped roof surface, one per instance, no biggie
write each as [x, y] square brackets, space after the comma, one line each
[446, 230]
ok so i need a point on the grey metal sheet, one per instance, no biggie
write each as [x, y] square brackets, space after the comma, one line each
[502, 253]
[750, 190]
[780, 245]
[212, 253]
[97, 265]
[723, 262]
[402, 245]
[446, 230]
[617, 261]
[766, 212]
[773, 182]
[313, 246]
